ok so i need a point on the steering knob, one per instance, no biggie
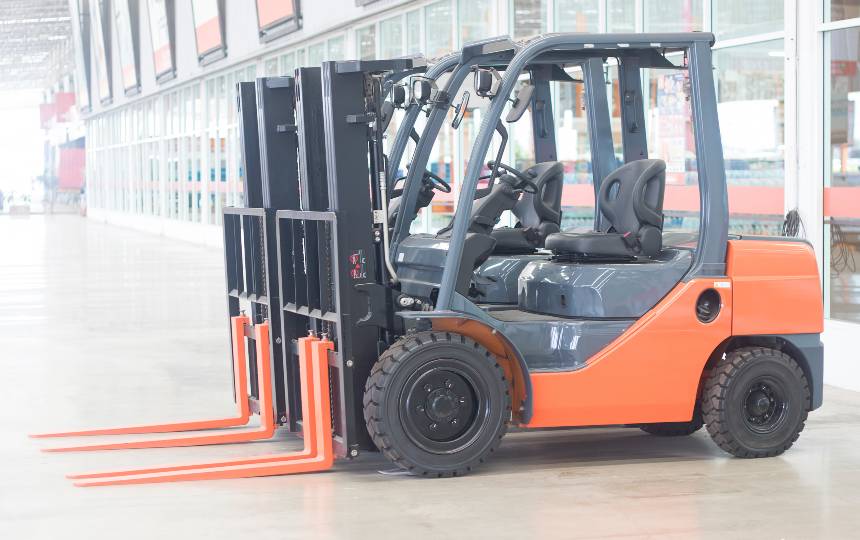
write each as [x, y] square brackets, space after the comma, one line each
[510, 180]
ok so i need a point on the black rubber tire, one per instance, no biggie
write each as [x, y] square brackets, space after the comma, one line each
[389, 379]
[724, 392]
[675, 429]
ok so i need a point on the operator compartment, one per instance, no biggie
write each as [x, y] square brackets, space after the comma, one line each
[620, 271]
[492, 257]
[601, 289]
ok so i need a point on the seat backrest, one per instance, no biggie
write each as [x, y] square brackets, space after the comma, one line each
[544, 207]
[631, 199]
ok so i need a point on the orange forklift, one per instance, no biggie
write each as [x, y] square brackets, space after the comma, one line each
[361, 334]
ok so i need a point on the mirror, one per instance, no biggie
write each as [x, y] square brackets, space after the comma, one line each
[422, 88]
[485, 81]
[398, 95]
[521, 103]
[460, 110]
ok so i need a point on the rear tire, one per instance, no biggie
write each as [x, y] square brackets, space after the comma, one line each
[437, 404]
[755, 402]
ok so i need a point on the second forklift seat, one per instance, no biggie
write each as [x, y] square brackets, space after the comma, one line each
[631, 199]
[538, 214]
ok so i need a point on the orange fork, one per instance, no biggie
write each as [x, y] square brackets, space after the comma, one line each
[240, 385]
[267, 421]
[317, 454]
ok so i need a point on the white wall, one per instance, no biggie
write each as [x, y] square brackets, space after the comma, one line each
[841, 364]
[318, 18]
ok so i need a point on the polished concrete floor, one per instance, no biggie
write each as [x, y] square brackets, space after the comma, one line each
[105, 326]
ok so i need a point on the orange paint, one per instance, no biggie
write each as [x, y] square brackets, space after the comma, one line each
[317, 454]
[776, 288]
[649, 374]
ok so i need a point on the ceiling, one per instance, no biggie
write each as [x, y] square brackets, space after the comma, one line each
[35, 42]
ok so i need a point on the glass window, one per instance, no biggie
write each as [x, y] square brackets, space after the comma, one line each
[271, 67]
[842, 178]
[669, 120]
[316, 54]
[837, 10]
[476, 20]
[735, 18]
[288, 63]
[413, 32]
[439, 20]
[391, 37]
[336, 48]
[621, 15]
[574, 151]
[751, 105]
[528, 18]
[674, 15]
[365, 42]
[577, 16]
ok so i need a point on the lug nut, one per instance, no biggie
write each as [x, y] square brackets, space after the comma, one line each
[434, 426]
[427, 387]
[448, 383]
[454, 422]
[462, 399]
[420, 408]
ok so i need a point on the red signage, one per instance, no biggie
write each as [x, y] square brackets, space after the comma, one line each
[159, 31]
[271, 12]
[207, 26]
[70, 174]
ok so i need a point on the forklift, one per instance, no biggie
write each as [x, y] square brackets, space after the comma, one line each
[597, 328]
[364, 335]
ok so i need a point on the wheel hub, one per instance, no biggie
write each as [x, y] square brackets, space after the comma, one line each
[440, 407]
[442, 404]
[764, 406]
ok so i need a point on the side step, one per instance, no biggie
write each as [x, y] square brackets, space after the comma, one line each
[317, 454]
[267, 421]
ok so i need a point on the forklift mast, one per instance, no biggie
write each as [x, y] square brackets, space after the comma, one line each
[307, 252]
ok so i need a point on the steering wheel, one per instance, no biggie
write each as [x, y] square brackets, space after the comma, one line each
[437, 182]
[523, 181]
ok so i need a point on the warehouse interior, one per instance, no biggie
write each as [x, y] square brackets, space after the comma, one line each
[125, 134]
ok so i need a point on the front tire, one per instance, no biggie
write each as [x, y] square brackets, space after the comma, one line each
[755, 402]
[437, 404]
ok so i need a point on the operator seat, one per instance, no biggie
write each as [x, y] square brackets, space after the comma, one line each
[631, 199]
[538, 214]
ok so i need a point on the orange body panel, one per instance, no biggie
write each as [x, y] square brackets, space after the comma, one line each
[776, 288]
[651, 373]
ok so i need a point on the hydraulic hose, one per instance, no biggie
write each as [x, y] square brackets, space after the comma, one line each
[383, 188]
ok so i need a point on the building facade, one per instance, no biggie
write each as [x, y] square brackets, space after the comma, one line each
[159, 76]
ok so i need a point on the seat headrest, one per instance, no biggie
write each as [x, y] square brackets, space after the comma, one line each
[545, 205]
[631, 196]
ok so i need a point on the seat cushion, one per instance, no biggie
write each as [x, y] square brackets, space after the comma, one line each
[588, 244]
[512, 240]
